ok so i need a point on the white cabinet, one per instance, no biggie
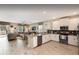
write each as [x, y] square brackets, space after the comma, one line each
[40, 28]
[47, 26]
[54, 37]
[73, 23]
[72, 40]
[64, 22]
[56, 25]
[34, 41]
[45, 38]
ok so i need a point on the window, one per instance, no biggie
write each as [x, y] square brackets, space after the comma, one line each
[20, 28]
[2, 29]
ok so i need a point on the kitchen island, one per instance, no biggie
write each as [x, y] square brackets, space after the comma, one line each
[37, 40]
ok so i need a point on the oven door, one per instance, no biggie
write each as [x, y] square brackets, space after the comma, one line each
[63, 39]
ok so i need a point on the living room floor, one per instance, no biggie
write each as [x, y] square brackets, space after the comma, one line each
[19, 47]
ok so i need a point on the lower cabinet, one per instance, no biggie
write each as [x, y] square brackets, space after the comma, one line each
[46, 38]
[38, 40]
[54, 37]
[34, 41]
[72, 40]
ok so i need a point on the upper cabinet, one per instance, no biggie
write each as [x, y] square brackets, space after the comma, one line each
[47, 26]
[64, 22]
[56, 25]
[40, 28]
[73, 23]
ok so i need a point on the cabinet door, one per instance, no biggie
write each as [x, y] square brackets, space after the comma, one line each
[34, 41]
[47, 26]
[55, 37]
[72, 40]
[46, 38]
[64, 22]
[43, 39]
[56, 25]
[73, 23]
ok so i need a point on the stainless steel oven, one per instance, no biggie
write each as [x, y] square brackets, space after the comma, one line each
[63, 37]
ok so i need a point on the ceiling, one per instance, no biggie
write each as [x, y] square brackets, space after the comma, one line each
[35, 13]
